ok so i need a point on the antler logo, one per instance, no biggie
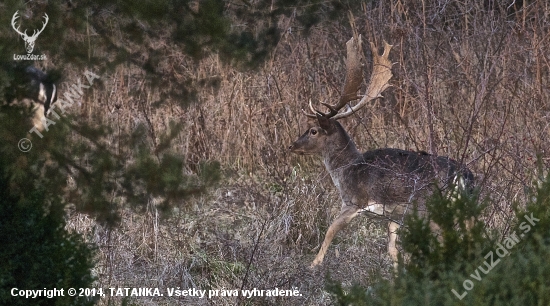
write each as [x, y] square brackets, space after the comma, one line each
[29, 40]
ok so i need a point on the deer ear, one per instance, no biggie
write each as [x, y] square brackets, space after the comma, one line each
[324, 122]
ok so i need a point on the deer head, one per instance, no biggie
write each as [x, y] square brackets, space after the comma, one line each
[29, 40]
[329, 134]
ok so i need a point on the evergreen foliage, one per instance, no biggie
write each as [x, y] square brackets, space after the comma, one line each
[145, 35]
[37, 251]
[481, 268]
[83, 35]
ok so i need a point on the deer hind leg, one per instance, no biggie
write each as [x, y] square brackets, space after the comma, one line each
[470, 223]
[346, 215]
[392, 242]
[436, 229]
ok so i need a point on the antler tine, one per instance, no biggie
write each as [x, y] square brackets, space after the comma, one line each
[311, 109]
[44, 23]
[381, 74]
[13, 20]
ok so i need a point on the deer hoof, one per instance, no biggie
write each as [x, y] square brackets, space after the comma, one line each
[314, 264]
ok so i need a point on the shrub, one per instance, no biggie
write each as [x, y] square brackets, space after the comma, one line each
[37, 252]
[469, 267]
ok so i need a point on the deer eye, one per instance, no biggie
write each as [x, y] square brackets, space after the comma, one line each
[313, 132]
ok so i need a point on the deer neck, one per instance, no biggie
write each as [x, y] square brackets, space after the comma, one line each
[339, 156]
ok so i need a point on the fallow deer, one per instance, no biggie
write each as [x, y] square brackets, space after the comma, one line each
[384, 182]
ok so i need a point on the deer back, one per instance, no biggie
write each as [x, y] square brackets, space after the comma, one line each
[387, 181]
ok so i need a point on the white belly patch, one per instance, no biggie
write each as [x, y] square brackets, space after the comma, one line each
[374, 208]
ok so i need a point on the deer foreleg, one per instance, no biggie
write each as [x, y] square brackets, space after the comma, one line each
[346, 215]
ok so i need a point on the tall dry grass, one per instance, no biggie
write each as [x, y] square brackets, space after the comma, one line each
[470, 82]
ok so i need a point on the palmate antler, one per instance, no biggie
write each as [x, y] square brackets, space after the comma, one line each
[381, 74]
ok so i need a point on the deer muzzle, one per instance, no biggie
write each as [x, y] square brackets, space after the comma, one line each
[294, 148]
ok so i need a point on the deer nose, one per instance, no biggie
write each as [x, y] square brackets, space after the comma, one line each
[291, 147]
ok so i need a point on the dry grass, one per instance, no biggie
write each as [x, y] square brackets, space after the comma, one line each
[474, 88]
